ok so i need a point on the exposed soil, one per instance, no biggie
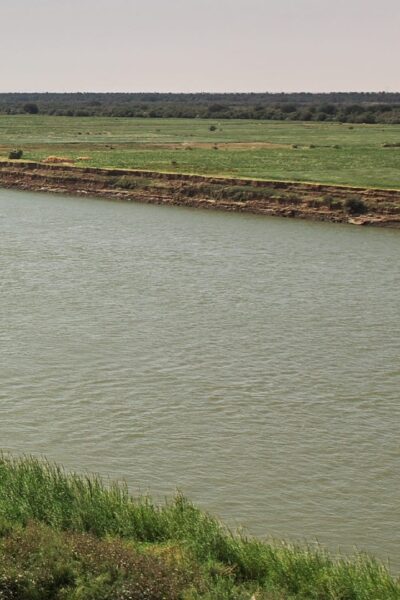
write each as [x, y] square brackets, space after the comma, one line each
[359, 206]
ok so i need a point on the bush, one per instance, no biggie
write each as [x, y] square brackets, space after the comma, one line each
[355, 206]
[15, 154]
[212, 128]
[39, 562]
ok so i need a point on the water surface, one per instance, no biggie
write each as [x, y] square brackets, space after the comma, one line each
[251, 362]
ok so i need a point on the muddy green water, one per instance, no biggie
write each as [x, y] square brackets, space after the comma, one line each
[251, 362]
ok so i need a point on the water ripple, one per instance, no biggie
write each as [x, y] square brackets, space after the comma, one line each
[251, 362]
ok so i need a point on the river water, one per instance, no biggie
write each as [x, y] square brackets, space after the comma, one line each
[251, 362]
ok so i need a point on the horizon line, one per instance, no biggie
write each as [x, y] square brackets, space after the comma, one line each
[200, 92]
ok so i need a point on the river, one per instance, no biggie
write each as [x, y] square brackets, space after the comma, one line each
[251, 362]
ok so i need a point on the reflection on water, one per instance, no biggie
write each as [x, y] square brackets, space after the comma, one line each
[251, 362]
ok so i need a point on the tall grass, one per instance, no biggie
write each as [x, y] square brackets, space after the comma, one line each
[32, 490]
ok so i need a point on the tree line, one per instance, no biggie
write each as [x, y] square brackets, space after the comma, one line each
[353, 107]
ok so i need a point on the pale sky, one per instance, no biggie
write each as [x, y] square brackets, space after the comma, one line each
[199, 45]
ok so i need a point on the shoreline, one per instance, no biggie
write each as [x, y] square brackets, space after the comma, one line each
[110, 544]
[312, 201]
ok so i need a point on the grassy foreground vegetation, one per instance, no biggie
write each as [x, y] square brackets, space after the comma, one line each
[70, 537]
[333, 153]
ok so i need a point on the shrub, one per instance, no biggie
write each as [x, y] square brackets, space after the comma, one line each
[39, 562]
[315, 203]
[332, 203]
[15, 154]
[126, 183]
[212, 128]
[355, 206]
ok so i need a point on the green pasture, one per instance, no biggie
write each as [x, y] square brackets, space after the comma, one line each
[349, 154]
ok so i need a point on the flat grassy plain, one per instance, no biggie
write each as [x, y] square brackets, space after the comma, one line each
[71, 537]
[332, 153]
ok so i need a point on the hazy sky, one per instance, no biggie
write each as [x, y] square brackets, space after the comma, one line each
[199, 45]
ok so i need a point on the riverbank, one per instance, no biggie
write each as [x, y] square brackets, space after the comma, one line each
[68, 536]
[339, 204]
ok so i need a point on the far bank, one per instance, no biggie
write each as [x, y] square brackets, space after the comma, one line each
[338, 204]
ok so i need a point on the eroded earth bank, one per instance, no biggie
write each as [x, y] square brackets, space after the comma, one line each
[340, 204]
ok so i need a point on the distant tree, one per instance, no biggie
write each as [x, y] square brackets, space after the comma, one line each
[369, 118]
[328, 109]
[306, 115]
[214, 108]
[355, 107]
[31, 108]
[212, 128]
[288, 108]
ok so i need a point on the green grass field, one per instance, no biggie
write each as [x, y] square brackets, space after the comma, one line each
[316, 152]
